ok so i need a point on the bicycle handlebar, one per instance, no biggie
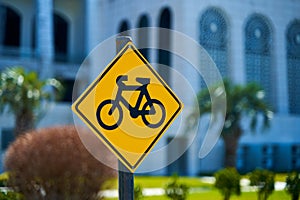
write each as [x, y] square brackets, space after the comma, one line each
[122, 78]
[143, 81]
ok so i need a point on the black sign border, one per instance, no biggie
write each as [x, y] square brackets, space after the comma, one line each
[129, 45]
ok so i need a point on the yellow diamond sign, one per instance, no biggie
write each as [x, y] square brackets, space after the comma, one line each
[128, 106]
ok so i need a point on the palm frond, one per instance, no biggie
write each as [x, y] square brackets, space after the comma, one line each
[242, 100]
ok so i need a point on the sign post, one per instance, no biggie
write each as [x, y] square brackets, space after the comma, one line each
[128, 107]
[126, 178]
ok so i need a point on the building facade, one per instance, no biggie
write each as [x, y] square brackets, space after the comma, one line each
[248, 40]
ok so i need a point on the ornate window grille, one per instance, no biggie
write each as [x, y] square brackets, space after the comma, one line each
[258, 40]
[293, 65]
[213, 37]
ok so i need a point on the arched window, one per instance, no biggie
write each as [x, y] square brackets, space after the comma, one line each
[68, 85]
[143, 36]
[164, 57]
[293, 65]
[33, 33]
[258, 54]
[61, 32]
[123, 28]
[213, 37]
[10, 28]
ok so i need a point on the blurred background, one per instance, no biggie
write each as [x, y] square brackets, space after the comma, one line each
[250, 41]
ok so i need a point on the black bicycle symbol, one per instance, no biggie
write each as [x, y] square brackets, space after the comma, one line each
[152, 109]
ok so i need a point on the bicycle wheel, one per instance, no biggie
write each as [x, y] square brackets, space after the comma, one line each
[107, 120]
[153, 115]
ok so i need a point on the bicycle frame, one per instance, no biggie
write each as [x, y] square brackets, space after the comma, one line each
[134, 110]
[148, 108]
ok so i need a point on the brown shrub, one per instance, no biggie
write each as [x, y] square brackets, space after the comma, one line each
[52, 163]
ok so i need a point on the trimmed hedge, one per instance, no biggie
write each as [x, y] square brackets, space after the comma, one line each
[228, 182]
[264, 180]
[175, 190]
[293, 185]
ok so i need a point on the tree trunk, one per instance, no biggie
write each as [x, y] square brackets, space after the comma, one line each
[24, 122]
[227, 196]
[231, 144]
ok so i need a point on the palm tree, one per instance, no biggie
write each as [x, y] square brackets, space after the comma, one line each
[21, 93]
[242, 101]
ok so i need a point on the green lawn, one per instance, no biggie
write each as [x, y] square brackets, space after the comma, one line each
[161, 181]
[200, 190]
[214, 195]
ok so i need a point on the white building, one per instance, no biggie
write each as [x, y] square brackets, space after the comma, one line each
[249, 40]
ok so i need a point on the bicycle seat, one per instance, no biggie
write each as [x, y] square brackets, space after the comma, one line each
[143, 81]
[121, 78]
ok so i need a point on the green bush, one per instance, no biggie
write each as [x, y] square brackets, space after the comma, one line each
[175, 190]
[138, 192]
[52, 163]
[293, 185]
[4, 179]
[264, 180]
[10, 196]
[228, 182]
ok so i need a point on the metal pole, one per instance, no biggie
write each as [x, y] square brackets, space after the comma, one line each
[126, 184]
